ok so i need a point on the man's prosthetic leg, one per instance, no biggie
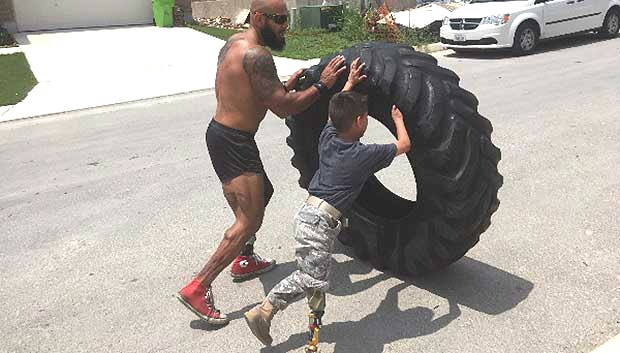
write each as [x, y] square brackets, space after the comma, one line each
[316, 302]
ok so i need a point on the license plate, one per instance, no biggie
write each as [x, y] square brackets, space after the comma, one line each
[459, 37]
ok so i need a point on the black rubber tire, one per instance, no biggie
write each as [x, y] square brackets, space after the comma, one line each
[605, 31]
[453, 159]
[529, 29]
[459, 51]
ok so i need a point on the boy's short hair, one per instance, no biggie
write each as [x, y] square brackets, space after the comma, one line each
[344, 107]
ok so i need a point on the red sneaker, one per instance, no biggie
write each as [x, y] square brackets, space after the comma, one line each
[200, 301]
[250, 266]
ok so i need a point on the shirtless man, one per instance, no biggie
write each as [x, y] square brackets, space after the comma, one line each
[246, 86]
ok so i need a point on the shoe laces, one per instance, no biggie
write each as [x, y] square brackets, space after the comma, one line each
[257, 258]
[210, 300]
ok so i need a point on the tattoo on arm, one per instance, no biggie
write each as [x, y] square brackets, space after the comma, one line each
[258, 64]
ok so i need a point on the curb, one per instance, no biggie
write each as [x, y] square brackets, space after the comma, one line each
[11, 50]
[611, 346]
[104, 107]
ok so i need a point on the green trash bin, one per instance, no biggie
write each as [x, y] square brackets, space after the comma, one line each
[162, 12]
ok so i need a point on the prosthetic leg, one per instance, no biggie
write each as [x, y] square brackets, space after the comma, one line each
[316, 302]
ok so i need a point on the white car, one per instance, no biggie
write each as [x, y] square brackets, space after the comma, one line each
[521, 24]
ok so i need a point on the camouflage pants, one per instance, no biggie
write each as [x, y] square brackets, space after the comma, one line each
[315, 233]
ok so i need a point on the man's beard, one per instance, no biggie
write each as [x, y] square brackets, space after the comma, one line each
[271, 39]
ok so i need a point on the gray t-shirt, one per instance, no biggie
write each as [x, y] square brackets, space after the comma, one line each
[345, 166]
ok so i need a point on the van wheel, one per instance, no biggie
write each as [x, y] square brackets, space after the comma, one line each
[525, 40]
[611, 24]
[453, 159]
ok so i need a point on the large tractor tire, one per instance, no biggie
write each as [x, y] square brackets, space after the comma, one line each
[453, 160]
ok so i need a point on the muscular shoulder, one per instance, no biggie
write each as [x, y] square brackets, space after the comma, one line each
[235, 46]
[258, 58]
[261, 70]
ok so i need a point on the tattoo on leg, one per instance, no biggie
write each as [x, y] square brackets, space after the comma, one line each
[238, 200]
[231, 197]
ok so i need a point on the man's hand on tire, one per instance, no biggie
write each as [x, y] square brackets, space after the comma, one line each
[292, 81]
[330, 74]
[355, 75]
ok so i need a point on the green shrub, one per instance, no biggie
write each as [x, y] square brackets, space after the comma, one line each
[6, 39]
[418, 36]
[353, 28]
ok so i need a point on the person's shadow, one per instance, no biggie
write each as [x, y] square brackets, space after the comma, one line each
[467, 282]
[235, 315]
[370, 334]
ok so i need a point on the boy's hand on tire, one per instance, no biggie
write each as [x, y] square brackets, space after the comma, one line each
[355, 75]
[403, 144]
[332, 71]
[396, 114]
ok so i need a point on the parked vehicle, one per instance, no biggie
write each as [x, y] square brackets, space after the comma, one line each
[521, 24]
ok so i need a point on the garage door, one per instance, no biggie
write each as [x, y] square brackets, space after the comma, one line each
[32, 15]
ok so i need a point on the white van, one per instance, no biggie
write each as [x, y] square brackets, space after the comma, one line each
[521, 24]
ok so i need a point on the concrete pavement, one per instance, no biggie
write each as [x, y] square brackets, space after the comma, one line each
[82, 69]
[611, 346]
[11, 50]
[104, 214]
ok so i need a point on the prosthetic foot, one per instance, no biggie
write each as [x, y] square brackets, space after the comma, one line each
[314, 326]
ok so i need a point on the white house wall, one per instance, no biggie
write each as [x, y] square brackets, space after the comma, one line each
[32, 15]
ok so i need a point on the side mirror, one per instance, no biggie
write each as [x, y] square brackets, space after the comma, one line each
[536, 2]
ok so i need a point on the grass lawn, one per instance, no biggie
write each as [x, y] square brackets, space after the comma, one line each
[303, 44]
[16, 79]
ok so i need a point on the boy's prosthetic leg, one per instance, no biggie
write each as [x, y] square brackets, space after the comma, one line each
[316, 302]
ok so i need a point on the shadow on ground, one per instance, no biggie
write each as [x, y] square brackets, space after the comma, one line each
[203, 325]
[468, 283]
[571, 41]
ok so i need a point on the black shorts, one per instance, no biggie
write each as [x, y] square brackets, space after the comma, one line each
[234, 152]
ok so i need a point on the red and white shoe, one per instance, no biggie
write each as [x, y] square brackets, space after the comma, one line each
[199, 300]
[245, 267]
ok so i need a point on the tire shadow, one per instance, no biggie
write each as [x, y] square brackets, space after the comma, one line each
[370, 334]
[476, 285]
[468, 282]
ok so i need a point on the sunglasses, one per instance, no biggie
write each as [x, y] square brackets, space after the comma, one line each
[279, 19]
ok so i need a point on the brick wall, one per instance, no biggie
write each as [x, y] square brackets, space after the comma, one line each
[6, 11]
[215, 8]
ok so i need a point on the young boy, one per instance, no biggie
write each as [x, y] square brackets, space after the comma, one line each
[344, 166]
